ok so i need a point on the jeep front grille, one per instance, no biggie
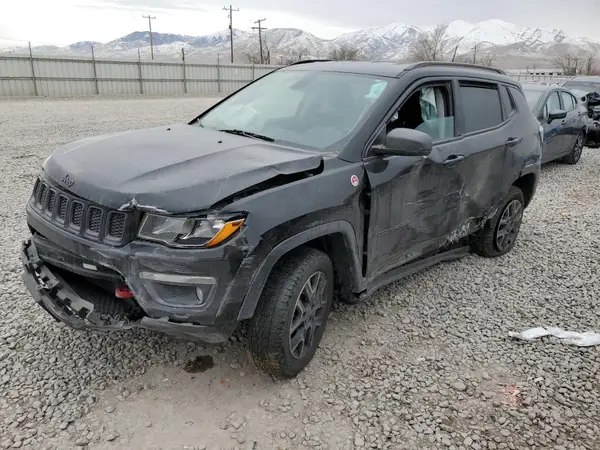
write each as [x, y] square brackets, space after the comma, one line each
[116, 224]
[62, 208]
[94, 219]
[81, 217]
[77, 214]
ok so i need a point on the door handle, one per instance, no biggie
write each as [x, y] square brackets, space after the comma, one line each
[453, 159]
[513, 141]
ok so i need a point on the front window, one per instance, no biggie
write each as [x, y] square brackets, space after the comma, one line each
[306, 108]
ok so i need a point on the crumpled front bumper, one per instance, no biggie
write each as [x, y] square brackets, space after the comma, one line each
[61, 301]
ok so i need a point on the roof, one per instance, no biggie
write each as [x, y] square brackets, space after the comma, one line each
[538, 87]
[392, 68]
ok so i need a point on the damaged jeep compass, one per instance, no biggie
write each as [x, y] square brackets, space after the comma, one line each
[321, 177]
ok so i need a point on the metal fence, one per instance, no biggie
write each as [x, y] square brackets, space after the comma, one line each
[28, 76]
[542, 79]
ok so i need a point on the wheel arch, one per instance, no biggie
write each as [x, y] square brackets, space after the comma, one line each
[336, 239]
[527, 183]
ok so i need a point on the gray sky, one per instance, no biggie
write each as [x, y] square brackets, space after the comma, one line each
[66, 21]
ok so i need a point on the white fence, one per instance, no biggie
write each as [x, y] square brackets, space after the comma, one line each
[24, 76]
[27, 76]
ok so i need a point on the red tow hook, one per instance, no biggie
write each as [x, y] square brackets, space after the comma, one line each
[123, 292]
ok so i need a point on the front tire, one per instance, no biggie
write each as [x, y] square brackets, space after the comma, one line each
[575, 155]
[291, 315]
[499, 234]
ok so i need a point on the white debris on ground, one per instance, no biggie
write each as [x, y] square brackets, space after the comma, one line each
[424, 364]
[586, 339]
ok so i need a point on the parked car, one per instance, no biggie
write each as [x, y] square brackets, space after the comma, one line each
[319, 176]
[563, 119]
[587, 90]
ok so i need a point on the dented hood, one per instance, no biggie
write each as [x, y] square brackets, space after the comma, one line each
[176, 169]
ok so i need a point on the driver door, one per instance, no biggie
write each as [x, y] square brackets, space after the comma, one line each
[554, 131]
[415, 201]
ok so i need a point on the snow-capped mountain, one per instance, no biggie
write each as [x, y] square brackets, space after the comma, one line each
[502, 40]
[502, 36]
[388, 42]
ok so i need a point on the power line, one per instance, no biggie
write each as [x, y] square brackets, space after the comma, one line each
[230, 15]
[260, 28]
[150, 18]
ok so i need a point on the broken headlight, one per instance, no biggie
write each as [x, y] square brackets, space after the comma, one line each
[189, 232]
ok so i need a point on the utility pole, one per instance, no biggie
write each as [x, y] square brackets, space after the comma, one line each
[260, 28]
[230, 15]
[456, 49]
[454, 54]
[150, 18]
[475, 54]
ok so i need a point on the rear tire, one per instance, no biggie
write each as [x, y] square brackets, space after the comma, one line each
[499, 234]
[575, 155]
[292, 313]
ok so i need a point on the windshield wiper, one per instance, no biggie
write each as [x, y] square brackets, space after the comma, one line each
[249, 134]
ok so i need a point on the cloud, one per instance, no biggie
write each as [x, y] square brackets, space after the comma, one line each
[66, 21]
[154, 5]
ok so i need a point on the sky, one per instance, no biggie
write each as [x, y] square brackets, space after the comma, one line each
[62, 22]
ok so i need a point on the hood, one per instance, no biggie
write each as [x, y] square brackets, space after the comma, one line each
[174, 169]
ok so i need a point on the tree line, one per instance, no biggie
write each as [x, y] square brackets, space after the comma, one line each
[341, 53]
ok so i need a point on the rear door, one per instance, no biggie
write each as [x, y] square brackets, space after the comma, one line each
[486, 133]
[554, 130]
[572, 121]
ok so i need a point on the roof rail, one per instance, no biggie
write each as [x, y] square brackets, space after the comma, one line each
[456, 64]
[306, 61]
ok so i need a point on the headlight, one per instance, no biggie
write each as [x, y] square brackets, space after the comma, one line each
[189, 232]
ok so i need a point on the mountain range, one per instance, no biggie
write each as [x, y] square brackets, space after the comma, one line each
[509, 44]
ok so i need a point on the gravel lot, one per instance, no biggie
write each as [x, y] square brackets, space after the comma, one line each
[426, 363]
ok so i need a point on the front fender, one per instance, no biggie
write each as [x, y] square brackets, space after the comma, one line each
[262, 274]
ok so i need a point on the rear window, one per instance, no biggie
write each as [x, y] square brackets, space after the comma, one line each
[482, 108]
[507, 102]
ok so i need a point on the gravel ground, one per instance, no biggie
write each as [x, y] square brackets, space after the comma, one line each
[426, 363]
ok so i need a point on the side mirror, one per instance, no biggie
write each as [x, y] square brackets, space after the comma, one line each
[557, 114]
[405, 142]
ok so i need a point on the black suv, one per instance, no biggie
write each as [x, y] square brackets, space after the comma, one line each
[317, 178]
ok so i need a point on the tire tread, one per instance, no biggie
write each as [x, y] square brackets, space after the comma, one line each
[482, 242]
[267, 329]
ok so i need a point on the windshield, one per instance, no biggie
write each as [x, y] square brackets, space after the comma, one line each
[306, 108]
[532, 96]
[587, 86]
[579, 93]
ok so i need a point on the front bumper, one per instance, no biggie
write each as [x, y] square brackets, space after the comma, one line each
[63, 303]
[165, 281]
